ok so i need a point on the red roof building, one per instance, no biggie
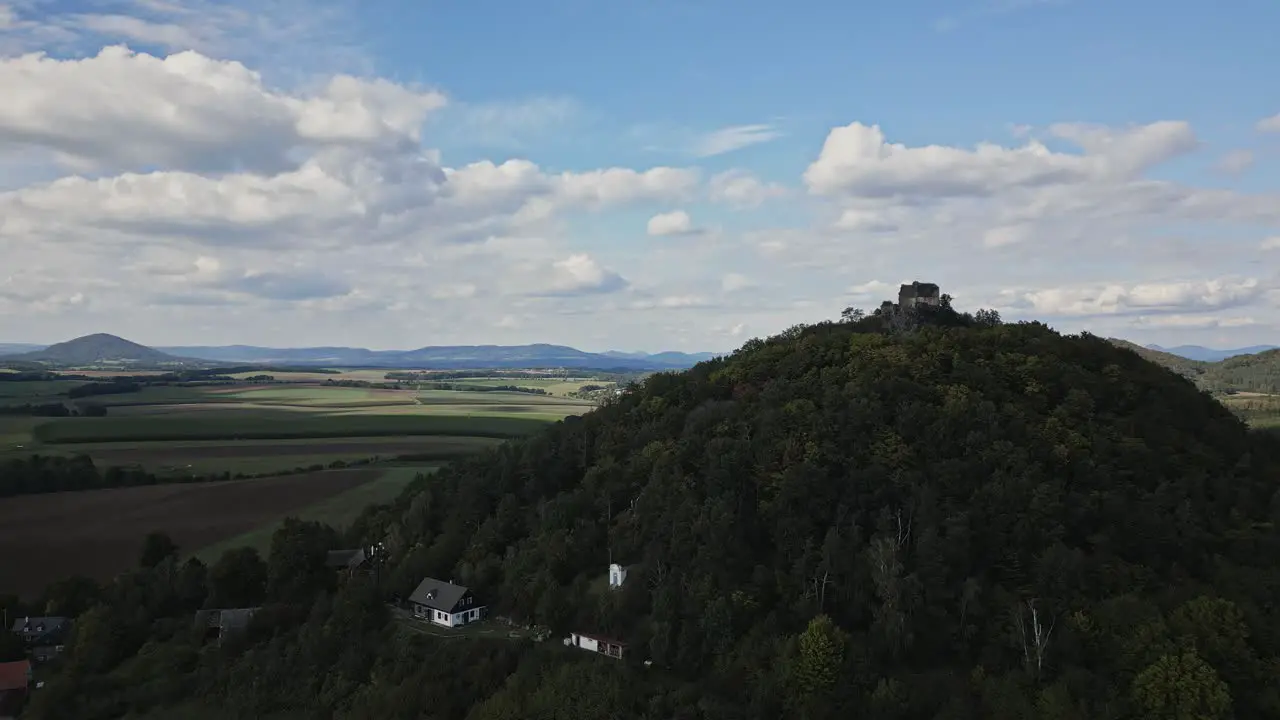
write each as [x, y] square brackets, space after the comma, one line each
[15, 679]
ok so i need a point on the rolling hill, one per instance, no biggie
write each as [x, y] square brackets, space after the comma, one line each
[1198, 352]
[949, 519]
[1246, 372]
[95, 349]
[449, 357]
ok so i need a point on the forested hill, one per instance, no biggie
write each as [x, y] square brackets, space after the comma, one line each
[1257, 372]
[929, 518]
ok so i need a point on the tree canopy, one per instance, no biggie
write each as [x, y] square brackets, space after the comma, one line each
[901, 515]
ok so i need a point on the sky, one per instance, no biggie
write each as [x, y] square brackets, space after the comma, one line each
[632, 174]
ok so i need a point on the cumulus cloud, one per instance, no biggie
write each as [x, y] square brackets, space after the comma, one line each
[580, 274]
[1271, 243]
[202, 190]
[857, 160]
[676, 222]
[1269, 125]
[1191, 322]
[124, 110]
[732, 138]
[742, 189]
[872, 288]
[1118, 298]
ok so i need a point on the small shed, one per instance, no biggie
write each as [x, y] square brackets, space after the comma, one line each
[597, 644]
[221, 622]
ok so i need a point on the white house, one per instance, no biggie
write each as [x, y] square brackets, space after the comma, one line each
[617, 575]
[445, 604]
[596, 644]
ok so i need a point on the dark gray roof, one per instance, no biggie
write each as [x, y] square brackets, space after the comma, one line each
[919, 289]
[226, 618]
[437, 594]
[42, 625]
[346, 558]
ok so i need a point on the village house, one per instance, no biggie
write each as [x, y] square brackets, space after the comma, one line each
[596, 644]
[44, 637]
[347, 562]
[15, 683]
[617, 575]
[445, 604]
[221, 622]
[918, 293]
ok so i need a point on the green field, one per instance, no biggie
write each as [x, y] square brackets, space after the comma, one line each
[59, 431]
[253, 429]
[337, 511]
[1258, 409]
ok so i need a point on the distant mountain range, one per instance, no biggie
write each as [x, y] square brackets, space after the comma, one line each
[101, 348]
[1204, 354]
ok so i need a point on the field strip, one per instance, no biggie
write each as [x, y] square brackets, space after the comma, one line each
[98, 533]
[337, 511]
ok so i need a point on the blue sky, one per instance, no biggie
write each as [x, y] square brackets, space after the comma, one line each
[634, 175]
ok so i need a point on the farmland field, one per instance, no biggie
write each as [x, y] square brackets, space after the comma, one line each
[275, 427]
[239, 429]
[1258, 409]
[98, 533]
[337, 511]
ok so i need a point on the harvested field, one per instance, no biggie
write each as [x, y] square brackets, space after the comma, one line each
[337, 511]
[161, 452]
[98, 533]
[204, 427]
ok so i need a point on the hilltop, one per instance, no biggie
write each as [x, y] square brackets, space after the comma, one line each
[96, 348]
[911, 515]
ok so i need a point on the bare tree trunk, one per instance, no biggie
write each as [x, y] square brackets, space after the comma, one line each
[1034, 636]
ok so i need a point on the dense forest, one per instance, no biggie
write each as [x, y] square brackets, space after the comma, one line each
[1258, 372]
[919, 514]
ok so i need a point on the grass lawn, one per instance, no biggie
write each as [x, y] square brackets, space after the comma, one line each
[338, 511]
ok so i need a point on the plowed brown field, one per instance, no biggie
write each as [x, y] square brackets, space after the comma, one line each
[99, 533]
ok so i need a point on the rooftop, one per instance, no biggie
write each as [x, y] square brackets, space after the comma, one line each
[15, 675]
[437, 594]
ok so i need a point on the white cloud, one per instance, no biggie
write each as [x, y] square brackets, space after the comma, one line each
[857, 160]
[735, 282]
[274, 202]
[676, 222]
[1235, 162]
[872, 289]
[191, 112]
[580, 274]
[1117, 298]
[1191, 322]
[1271, 243]
[742, 189]
[1269, 125]
[672, 302]
[732, 138]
